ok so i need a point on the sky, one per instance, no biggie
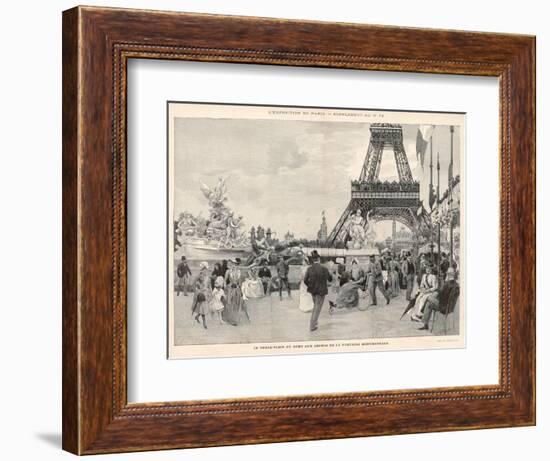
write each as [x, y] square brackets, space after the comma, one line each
[283, 174]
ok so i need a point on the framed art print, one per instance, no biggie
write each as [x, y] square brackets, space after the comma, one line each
[279, 177]
[281, 230]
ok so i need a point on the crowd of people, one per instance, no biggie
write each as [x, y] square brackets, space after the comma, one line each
[224, 290]
[218, 292]
[435, 277]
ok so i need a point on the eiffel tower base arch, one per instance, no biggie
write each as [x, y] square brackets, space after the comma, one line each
[392, 200]
[406, 215]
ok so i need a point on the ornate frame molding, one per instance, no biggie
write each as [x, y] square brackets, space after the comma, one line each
[97, 44]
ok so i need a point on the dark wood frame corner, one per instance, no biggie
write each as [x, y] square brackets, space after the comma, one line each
[97, 44]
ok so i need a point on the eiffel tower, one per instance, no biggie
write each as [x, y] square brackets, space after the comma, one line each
[392, 200]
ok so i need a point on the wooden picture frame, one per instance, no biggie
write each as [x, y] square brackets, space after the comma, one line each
[97, 44]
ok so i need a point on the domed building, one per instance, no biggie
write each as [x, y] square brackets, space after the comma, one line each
[402, 239]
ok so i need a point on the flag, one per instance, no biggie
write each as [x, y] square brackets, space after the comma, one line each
[421, 146]
[422, 139]
[432, 197]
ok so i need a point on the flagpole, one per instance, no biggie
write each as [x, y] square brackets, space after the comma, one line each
[431, 170]
[438, 226]
[451, 197]
[430, 195]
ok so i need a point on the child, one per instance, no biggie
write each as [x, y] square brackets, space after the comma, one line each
[217, 304]
[202, 294]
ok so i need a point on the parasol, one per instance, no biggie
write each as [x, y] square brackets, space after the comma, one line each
[409, 307]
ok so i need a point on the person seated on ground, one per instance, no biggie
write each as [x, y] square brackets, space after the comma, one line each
[428, 286]
[356, 273]
[439, 301]
[340, 271]
[343, 278]
[348, 296]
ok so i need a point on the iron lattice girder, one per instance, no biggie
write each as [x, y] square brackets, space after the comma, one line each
[340, 227]
[390, 194]
[405, 213]
[399, 200]
[384, 136]
[371, 204]
[388, 200]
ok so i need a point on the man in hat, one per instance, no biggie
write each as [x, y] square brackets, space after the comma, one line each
[376, 280]
[439, 301]
[184, 275]
[282, 273]
[265, 275]
[316, 279]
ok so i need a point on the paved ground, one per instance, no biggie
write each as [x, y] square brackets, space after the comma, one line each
[273, 320]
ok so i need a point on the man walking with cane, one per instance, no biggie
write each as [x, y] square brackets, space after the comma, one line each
[316, 279]
[376, 280]
[282, 273]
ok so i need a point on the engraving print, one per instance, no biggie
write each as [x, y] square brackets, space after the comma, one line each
[299, 230]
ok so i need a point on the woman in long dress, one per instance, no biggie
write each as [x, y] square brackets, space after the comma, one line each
[305, 301]
[394, 269]
[428, 286]
[235, 304]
